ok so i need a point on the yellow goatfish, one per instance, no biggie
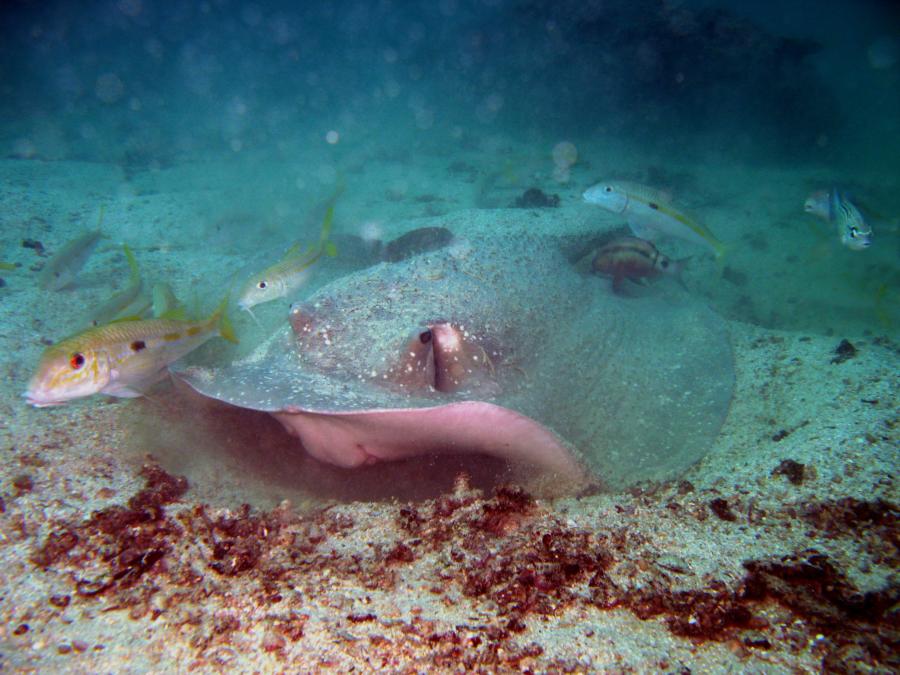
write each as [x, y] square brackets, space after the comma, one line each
[648, 212]
[289, 273]
[123, 358]
[110, 309]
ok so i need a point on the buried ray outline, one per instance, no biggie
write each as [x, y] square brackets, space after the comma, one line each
[554, 369]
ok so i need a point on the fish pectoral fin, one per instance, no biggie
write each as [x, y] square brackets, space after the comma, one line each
[123, 392]
[134, 388]
[642, 231]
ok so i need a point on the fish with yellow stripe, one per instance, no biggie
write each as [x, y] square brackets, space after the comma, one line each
[289, 273]
[649, 212]
[123, 358]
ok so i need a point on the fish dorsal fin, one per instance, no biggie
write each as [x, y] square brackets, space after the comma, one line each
[126, 319]
[177, 313]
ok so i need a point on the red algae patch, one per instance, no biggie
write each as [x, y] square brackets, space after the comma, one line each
[463, 581]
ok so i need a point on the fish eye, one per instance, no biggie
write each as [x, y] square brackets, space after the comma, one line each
[77, 361]
[262, 285]
[854, 232]
[665, 264]
[608, 188]
[425, 337]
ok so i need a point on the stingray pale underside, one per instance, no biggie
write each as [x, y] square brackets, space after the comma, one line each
[495, 345]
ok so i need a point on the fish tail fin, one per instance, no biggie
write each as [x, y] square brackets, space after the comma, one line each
[327, 245]
[132, 264]
[222, 322]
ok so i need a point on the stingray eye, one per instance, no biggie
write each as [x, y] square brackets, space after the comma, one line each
[262, 285]
[77, 361]
[425, 337]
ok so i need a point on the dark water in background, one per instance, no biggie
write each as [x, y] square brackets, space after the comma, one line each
[152, 83]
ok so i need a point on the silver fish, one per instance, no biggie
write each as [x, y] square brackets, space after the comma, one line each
[648, 212]
[61, 270]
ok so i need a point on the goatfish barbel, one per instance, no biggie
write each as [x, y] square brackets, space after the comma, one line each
[648, 212]
[836, 208]
[123, 358]
[289, 273]
[634, 259]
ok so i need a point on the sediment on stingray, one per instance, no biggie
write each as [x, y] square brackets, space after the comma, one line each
[630, 388]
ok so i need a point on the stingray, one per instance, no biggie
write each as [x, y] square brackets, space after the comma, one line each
[492, 344]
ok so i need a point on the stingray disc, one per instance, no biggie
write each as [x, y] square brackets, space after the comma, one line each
[495, 345]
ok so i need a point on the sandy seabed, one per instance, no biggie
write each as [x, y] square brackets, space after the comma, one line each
[776, 553]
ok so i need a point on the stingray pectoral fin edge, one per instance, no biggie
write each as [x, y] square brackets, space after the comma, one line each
[359, 438]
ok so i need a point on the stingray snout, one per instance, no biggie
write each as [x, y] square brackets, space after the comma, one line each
[442, 356]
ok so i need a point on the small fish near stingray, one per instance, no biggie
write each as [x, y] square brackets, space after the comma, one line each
[122, 358]
[457, 351]
[834, 207]
[636, 260]
[650, 213]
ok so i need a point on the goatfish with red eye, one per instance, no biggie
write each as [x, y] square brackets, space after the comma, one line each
[123, 358]
[637, 260]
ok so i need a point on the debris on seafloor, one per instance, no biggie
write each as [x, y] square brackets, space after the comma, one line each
[535, 198]
[844, 351]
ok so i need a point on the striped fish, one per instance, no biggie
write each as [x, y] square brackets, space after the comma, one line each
[648, 213]
[854, 231]
[634, 259]
[119, 359]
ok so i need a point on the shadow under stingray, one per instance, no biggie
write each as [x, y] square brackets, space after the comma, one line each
[232, 455]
